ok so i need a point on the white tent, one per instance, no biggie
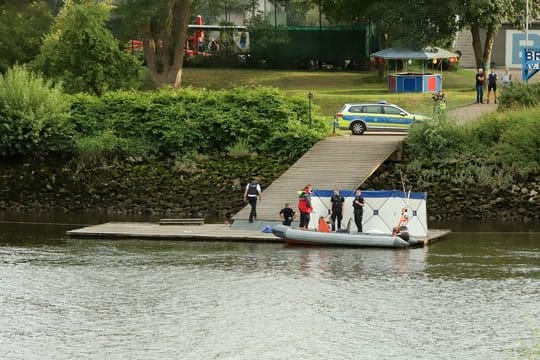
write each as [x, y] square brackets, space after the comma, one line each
[382, 210]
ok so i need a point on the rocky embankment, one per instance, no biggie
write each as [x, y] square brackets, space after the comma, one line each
[183, 189]
[215, 186]
[517, 202]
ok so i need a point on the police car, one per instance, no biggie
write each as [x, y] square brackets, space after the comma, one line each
[380, 116]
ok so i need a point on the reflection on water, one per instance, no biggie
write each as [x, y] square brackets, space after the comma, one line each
[471, 296]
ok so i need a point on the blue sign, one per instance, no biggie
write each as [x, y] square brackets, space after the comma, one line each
[530, 62]
[519, 43]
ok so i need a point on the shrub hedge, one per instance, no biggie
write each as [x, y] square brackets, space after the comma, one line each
[519, 95]
[500, 149]
[33, 115]
[179, 122]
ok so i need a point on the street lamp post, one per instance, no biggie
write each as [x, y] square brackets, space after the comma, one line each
[309, 96]
[526, 32]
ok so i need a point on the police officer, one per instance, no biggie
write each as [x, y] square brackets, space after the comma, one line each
[253, 190]
[358, 206]
[336, 210]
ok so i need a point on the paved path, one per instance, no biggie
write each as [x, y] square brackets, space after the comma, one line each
[465, 114]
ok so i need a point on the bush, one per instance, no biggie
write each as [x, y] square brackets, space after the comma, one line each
[179, 122]
[108, 145]
[33, 115]
[519, 95]
[497, 151]
[435, 139]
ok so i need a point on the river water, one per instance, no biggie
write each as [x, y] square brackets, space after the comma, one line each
[474, 295]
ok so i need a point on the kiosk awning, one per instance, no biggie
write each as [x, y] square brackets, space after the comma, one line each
[405, 53]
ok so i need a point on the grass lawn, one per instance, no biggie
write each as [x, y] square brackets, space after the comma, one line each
[333, 89]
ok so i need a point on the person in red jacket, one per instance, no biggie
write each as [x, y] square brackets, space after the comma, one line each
[304, 206]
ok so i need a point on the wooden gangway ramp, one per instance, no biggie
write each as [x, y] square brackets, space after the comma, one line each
[339, 162]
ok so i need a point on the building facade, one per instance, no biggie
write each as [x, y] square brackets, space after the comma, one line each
[507, 46]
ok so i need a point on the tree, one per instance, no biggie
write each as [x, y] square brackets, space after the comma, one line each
[484, 14]
[489, 15]
[414, 24]
[428, 22]
[82, 53]
[22, 26]
[162, 26]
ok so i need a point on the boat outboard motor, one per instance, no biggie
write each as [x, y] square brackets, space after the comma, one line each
[279, 230]
[403, 232]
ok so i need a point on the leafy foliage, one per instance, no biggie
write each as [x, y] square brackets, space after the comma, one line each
[22, 26]
[489, 15]
[416, 24]
[435, 139]
[499, 150]
[519, 95]
[82, 53]
[201, 121]
[33, 115]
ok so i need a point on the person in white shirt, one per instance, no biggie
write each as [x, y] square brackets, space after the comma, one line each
[506, 78]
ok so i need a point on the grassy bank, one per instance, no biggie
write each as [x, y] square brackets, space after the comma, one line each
[332, 89]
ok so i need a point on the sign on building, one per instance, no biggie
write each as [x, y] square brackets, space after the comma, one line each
[516, 41]
[530, 62]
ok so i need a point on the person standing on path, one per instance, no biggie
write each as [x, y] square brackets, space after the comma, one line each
[492, 85]
[252, 192]
[506, 78]
[304, 206]
[336, 210]
[358, 206]
[480, 81]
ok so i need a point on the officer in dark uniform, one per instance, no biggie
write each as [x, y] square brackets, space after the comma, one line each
[253, 190]
[336, 210]
[358, 205]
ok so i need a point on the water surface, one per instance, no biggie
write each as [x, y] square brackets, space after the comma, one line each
[472, 296]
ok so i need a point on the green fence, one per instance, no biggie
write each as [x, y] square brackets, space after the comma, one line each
[310, 47]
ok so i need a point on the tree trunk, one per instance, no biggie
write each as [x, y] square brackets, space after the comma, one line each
[488, 45]
[165, 56]
[477, 45]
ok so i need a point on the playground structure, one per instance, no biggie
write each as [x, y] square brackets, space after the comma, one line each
[207, 40]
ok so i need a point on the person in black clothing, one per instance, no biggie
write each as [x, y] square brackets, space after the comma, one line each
[358, 205]
[287, 214]
[492, 85]
[336, 210]
[252, 192]
[480, 80]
